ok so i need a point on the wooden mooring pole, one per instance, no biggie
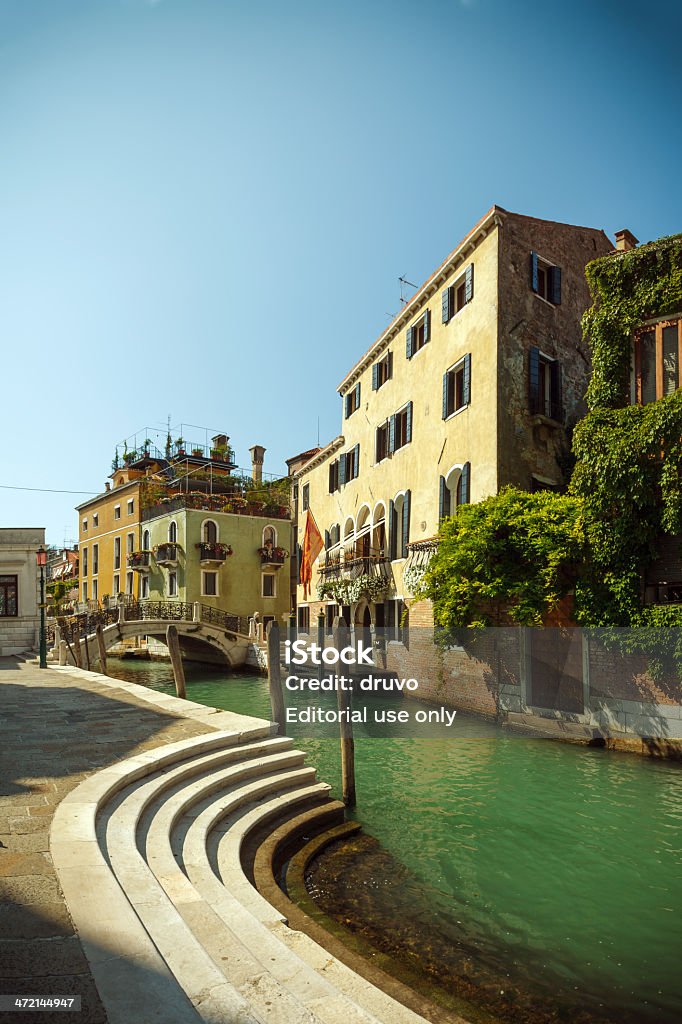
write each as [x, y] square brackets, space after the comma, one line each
[102, 650]
[176, 660]
[344, 698]
[275, 677]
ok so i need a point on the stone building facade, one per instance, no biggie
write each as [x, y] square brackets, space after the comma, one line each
[19, 594]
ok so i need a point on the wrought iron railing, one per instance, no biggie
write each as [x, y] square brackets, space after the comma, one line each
[214, 552]
[138, 559]
[226, 620]
[167, 552]
[351, 563]
[78, 627]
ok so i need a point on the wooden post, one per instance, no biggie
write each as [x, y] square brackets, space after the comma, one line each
[176, 660]
[102, 649]
[341, 640]
[275, 678]
[78, 649]
[320, 641]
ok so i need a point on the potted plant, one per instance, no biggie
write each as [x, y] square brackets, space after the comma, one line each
[197, 452]
[147, 446]
[180, 445]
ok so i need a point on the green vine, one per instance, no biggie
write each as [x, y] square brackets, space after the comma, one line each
[345, 591]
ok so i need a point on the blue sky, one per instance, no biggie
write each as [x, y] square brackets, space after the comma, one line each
[206, 205]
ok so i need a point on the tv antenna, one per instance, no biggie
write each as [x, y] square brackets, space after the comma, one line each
[403, 282]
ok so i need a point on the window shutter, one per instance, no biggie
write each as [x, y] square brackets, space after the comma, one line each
[331, 477]
[357, 395]
[406, 523]
[390, 366]
[347, 404]
[392, 540]
[427, 325]
[441, 500]
[391, 434]
[555, 285]
[556, 399]
[357, 459]
[534, 379]
[375, 376]
[467, 380]
[466, 474]
[534, 271]
[342, 469]
[410, 342]
[469, 283]
[445, 395]
[327, 540]
[408, 425]
[446, 305]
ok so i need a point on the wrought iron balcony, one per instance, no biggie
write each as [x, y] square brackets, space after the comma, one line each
[213, 554]
[140, 561]
[351, 562]
[275, 557]
[167, 554]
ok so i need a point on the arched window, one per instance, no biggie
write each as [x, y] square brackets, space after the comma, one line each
[454, 490]
[270, 535]
[379, 528]
[172, 532]
[209, 532]
[145, 540]
[399, 514]
[349, 529]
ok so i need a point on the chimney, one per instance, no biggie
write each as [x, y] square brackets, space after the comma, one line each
[107, 486]
[220, 441]
[625, 240]
[257, 453]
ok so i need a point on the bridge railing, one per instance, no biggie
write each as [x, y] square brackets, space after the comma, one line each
[175, 611]
[227, 620]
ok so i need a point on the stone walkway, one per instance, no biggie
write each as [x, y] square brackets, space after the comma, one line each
[56, 728]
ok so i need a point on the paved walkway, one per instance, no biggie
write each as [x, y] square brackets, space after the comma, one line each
[56, 728]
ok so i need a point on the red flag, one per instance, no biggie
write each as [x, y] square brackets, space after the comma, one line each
[312, 545]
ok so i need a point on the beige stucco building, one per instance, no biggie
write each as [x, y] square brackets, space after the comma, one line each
[474, 385]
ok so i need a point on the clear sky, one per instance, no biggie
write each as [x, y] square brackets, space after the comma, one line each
[205, 205]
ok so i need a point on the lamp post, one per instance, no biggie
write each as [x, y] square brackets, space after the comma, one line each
[41, 559]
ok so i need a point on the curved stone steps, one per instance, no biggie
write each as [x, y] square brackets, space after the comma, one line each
[148, 852]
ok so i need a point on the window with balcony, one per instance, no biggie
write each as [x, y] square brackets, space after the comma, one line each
[399, 521]
[382, 371]
[545, 279]
[657, 352]
[544, 386]
[457, 387]
[418, 334]
[352, 400]
[458, 295]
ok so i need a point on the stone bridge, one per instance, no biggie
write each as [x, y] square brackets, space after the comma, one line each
[205, 633]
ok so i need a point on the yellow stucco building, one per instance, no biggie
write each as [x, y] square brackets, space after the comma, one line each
[474, 385]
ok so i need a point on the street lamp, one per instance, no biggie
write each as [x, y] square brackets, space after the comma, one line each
[41, 559]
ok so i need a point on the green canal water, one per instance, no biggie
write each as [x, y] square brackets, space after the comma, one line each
[541, 881]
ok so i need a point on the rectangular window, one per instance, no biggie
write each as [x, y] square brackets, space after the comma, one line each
[130, 541]
[85, 591]
[304, 619]
[400, 428]
[95, 590]
[658, 357]
[544, 386]
[209, 584]
[269, 581]
[85, 525]
[382, 371]
[129, 583]
[331, 611]
[306, 496]
[95, 559]
[333, 476]
[145, 587]
[458, 294]
[117, 552]
[418, 334]
[381, 447]
[9, 596]
[117, 511]
[352, 463]
[545, 279]
[84, 561]
[117, 585]
[172, 584]
[131, 506]
[353, 400]
[95, 519]
[457, 387]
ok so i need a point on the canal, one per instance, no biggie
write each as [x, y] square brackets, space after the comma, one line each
[539, 881]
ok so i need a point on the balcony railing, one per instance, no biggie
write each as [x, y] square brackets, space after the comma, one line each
[275, 557]
[139, 560]
[167, 554]
[350, 563]
[214, 552]
[234, 503]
